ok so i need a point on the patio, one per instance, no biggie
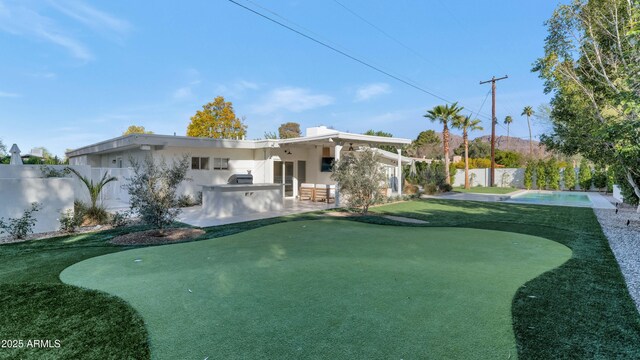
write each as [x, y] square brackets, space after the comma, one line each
[195, 216]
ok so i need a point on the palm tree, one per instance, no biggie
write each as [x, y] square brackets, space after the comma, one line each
[528, 112]
[444, 114]
[508, 120]
[466, 124]
[94, 189]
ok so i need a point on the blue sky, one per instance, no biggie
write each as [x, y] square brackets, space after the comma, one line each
[76, 72]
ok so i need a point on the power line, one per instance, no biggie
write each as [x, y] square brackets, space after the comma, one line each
[343, 53]
[384, 33]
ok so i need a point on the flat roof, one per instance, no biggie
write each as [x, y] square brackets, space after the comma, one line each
[136, 141]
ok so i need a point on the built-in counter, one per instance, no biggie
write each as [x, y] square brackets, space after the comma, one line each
[230, 200]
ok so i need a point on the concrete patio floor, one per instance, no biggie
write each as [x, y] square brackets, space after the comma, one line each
[196, 217]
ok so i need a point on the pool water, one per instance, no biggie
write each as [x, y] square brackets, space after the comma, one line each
[553, 198]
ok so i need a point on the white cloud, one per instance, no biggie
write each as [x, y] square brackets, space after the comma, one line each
[291, 99]
[182, 93]
[236, 88]
[44, 75]
[372, 90]
[4, 94]
[24, 19]
[91, 16]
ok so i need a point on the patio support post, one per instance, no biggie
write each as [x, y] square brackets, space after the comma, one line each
[336, 158]
[399, 175]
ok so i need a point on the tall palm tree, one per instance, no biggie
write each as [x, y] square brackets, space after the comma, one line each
[508, 120]
[444, 114]
[528, 112]
[466, 124]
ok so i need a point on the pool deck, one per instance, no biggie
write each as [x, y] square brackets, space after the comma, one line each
[597, 200]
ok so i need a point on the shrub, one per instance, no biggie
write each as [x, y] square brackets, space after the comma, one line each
[510, 159]
[611, 178]
[97, 214]
[70, 221]
[584, 175]
[479, 163]
[186, 201]
[120, 219]
[569, 178]
[360, 177]
[446, 187]
[152, 190]
[541, 175]
[600, 179]
[19, 228]
[553, 174]
[430, 189]
[529, 171]
[51, 172]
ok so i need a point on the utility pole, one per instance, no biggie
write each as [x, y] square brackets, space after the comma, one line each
[493, 126]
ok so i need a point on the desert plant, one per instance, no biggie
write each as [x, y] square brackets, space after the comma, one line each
[120, 219]
[553, 174]
[19, 228]
[360, 177]
[70, 221]
[584, 175]
[569, 178]
[95, 212]
[529, 171]
[152, 190]
[541, 175]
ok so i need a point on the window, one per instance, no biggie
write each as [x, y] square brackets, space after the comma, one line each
[199, 163]
[221, 163]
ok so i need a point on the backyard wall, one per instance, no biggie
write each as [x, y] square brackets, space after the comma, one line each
[505, 177]
[55, 195]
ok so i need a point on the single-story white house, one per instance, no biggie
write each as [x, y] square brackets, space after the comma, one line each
[290, 162]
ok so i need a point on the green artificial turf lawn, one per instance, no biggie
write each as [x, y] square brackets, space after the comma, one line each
[328, 289]
[485, 190]
[581, 310]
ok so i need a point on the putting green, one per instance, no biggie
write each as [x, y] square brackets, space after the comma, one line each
[327, 289]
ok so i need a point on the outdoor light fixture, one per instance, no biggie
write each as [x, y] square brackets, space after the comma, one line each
[350, 146]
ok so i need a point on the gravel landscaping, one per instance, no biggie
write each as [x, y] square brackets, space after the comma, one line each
[625, 243]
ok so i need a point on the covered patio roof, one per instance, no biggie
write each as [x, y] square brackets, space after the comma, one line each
[327, 136]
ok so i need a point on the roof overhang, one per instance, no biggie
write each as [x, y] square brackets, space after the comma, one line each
[152, 141]
[346, 138]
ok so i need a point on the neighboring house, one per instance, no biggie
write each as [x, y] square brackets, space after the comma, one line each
[290, 162]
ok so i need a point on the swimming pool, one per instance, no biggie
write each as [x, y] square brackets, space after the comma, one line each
[552, 198]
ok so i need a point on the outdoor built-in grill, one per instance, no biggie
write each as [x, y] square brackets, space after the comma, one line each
[240, 179]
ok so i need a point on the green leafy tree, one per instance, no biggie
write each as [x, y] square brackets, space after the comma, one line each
[426, 144]
[466, 124]
[541, 175]
[3, 148]
[600, 179]
[528, 112]
[478, 149]
[289, 130]
[135, 129]
[591, 66]
[360, 177]
[217, 120]
[553, 174]
[585, 176]
[444, 114]
[152, 190]
[529, 172]
[510, 159]
[569, 175]
[389, 148]
[507, 121]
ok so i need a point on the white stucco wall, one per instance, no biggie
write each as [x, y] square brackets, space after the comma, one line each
[55, 195]
[505, 177]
